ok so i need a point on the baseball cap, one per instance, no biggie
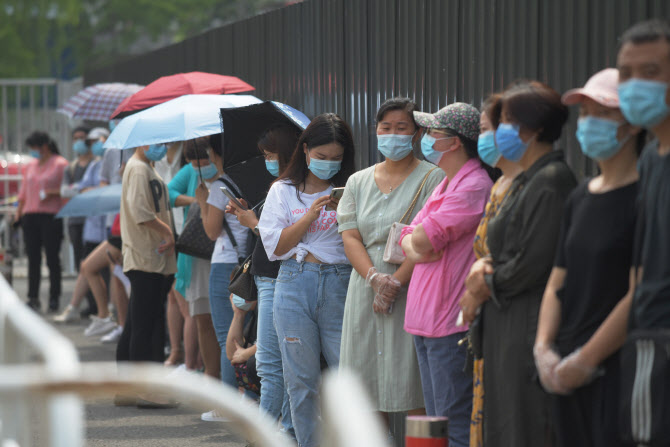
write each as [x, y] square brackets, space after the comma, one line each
[601, 87]
[459, 117]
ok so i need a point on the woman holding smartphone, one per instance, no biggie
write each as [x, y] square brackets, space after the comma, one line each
[373, 200]
[314, 274]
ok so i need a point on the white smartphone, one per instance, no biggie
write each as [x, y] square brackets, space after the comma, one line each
[337, 193]
[232, 198]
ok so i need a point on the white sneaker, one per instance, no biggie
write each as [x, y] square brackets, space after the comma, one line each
[113, 335]
[213, 416]
[99, 326]
[68, 315]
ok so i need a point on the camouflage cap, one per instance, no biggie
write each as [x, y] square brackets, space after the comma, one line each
[459, 117]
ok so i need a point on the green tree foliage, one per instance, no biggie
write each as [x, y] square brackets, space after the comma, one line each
[60, 37]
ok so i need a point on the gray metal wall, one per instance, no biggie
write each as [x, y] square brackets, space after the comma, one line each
[348, 56]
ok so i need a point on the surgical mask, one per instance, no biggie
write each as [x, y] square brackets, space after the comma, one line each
[156, 152]
[509, 143]
[209, 171]
[487, 150]
[429, 153]
[642, 102]
[112, 125]
[597, 137]
[241, 303]
[35, 153]
[273, 167]
[79, 147]
[324, 169]
[98, 149]
[394, 147]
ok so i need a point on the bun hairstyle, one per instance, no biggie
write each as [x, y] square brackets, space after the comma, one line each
[39, 139]
[324, 129]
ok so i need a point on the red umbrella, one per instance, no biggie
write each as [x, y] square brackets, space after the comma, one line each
[170, 87]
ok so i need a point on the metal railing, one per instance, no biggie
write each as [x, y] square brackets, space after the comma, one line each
[40, 371]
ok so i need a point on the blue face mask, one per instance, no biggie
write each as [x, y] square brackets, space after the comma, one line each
[97, 148]
[112, 125]
[597, 137]
[324, 169]
[209, 171]
[241, 303]
[642, 102]
[428, 151]
[35, 153]
[394, 147]
[273, 167]
[156, 152]
[79, 147]
[509, 143]
[486, 147]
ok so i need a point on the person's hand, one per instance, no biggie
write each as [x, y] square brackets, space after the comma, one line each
[231, 207]
[245, 217]
[315, 210]
[574, 371]
[332, 206]
[201, 194]
[475, 282]
[167, 246]
[469, 305]
[383, 283]
[546, 360]
[240, 355]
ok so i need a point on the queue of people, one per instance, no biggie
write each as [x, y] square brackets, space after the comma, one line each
[482, 283]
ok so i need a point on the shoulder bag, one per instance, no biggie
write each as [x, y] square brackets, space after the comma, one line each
[393, 253]
[193, 240]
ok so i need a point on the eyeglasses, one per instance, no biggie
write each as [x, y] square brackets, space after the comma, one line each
[431, 131]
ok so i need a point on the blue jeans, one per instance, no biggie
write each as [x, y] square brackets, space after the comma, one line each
[222, 316]
[447, 389]
[309, 307]
[274, 397]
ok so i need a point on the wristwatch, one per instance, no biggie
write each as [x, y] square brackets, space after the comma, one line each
[256, 231]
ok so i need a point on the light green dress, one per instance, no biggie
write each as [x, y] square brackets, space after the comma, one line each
[373, 345]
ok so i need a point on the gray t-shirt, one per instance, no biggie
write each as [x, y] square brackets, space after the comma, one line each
[110, 172]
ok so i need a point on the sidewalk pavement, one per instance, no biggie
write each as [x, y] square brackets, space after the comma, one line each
[110, 426]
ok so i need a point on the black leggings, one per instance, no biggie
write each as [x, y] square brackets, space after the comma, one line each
[43, 230]
[143, 337]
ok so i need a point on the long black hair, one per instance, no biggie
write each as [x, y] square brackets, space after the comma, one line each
[281, 139]
[324, 129]
[39, 139]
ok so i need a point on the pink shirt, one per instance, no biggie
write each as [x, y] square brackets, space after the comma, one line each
[450, 218]
[36, 178]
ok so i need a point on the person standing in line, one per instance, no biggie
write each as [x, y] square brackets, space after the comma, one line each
[277, 145]
[439, 241]
[311, 286]
[373, 200]
[489, 154]
[39, 202]
[148, 257]
[586, 302]
[644, 97]
[522, 239]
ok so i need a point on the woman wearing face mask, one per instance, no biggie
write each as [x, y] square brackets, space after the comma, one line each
[277, 145]
[314, 274]
[522, 240]
[439, 241]
[220, 227]
[586, 302]
[39, 202]
[373, 200]
[192, 278]
[489, 154]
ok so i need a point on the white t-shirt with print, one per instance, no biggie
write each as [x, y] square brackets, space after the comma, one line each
[224, 252]
[283, 208]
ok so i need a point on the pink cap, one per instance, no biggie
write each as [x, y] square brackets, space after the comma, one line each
[601, 87]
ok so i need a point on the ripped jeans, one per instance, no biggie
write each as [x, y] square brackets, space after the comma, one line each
[308, 311]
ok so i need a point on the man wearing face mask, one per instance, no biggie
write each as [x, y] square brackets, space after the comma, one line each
[70, 188]
[644, 75]
[148, 257]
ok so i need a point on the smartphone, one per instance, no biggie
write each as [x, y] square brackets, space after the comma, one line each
[337, 193]
[233, 199]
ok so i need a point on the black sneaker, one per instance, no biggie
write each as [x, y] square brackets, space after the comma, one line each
[53, 306]
[34, 304]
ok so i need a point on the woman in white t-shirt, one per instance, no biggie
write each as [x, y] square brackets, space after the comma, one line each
[299, 227]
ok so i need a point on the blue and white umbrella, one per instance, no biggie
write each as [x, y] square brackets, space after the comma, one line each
[180, 119]
[95, 202]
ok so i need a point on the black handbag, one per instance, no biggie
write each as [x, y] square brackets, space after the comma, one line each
[644, 409]
[193, 240]
[242, 283]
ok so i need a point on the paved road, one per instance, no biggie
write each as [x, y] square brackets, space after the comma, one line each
[110, 426]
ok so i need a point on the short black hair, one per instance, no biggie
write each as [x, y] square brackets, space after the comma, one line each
[84, 129]
[647, 31]
[39, 139]
[405, 104]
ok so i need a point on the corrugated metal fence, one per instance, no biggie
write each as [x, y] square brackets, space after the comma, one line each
[348, 56]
